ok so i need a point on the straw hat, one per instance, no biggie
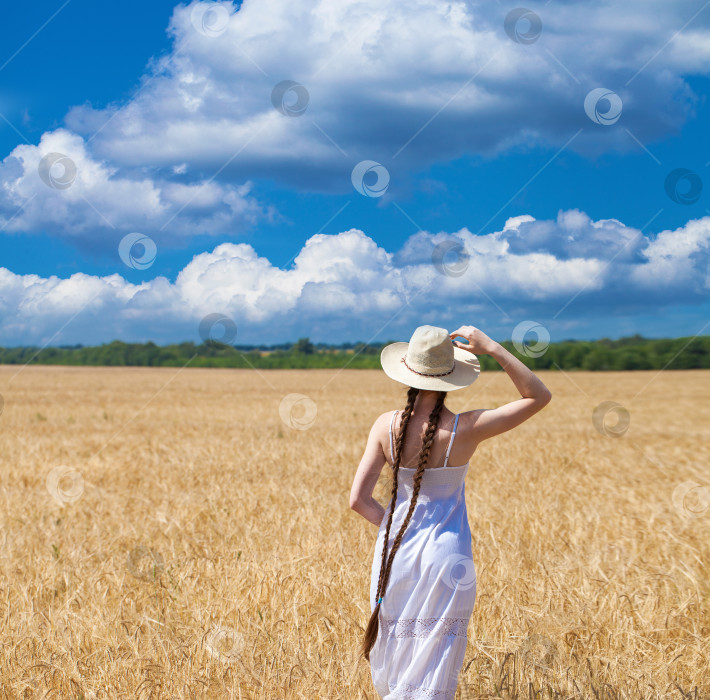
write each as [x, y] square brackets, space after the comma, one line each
[430, 360]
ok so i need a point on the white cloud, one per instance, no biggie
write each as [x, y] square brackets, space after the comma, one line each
[349, 285]
[377, 72]
[679, 258]
[82, 197]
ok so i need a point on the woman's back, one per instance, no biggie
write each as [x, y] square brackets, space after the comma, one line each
[462, 447]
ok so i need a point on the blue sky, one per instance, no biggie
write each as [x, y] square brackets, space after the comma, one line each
[166, 117]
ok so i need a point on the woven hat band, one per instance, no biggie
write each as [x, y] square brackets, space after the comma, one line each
[426, 374]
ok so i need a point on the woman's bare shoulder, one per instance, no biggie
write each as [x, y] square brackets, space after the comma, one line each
[384, 420]
[468, 420]
[470, 417]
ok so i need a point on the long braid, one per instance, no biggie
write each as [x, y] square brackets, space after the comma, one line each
[373, 625]
[396, 462]
[386, 568]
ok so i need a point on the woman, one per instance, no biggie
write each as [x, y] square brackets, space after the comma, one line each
[416, 637]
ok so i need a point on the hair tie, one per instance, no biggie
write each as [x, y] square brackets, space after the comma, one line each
[379, 601]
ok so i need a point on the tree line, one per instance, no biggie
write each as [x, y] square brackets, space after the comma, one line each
[631, 353]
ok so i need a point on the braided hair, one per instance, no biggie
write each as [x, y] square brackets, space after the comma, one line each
[386, 565]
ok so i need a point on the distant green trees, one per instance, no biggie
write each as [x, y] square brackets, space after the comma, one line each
[631, 353]
[304, 346]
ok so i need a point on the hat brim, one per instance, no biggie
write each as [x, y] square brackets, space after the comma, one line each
[466, 369]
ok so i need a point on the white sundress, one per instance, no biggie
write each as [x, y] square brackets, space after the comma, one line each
[431, 592]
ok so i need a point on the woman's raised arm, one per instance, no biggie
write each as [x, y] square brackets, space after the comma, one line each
[535, 395]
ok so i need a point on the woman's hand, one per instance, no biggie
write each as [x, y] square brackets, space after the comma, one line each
[478, 342]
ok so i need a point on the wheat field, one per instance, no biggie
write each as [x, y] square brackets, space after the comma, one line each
[186, 533]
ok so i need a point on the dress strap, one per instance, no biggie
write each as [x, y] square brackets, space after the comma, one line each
[391, 441]
[451, 441]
